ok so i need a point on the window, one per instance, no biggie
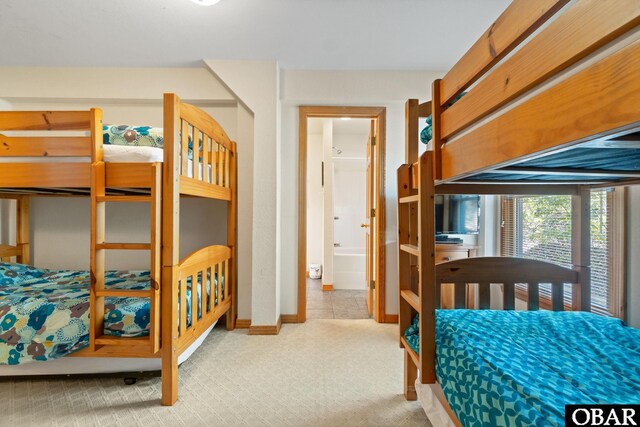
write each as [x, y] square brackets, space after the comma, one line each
[539, 227]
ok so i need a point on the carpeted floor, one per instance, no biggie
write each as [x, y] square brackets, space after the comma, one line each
[321, 373]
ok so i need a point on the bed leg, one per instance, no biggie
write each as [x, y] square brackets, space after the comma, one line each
[410, 377]
[231, 318]
[169, 379]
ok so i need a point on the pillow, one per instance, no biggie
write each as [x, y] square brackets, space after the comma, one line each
[11, 274]
[427, 132]
[132, 135]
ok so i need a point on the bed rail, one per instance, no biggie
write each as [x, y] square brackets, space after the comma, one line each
[599, 94]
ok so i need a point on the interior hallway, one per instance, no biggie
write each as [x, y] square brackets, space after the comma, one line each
[337, 304]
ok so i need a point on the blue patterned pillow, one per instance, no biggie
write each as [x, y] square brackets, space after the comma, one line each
[16, 273]
[132, 135]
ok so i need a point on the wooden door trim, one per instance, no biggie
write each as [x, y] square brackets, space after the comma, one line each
[305, 113]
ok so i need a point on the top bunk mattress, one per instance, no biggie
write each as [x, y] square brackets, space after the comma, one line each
[523, 367]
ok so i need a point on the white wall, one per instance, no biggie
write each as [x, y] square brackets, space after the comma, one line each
[388, 89]
[633, 255]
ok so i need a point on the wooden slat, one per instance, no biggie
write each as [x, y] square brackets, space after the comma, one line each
[184, 149]
[411, 249]
[557, 296]
[533, 300]
[414, 357]
[411, 298]
[436, 125]
[600, 100]
[516, 23]
[129, 175]
[124, 293]
[232, 206]
[199, 188]
[125, 199]
[411, 130]
[203, 258]
[45, 120]
[97, 258]
[585, 27]
[195, 163]
[195, 284]
[425, 109]
[226, 168]
[21, 175]
[409, 199]
[508, 189]
[508, 296]
[201, 120]
[120, 341]
[460, 295]
[404, 258]
[484, 297]
[206, 158]
[220, 166]
[500, 269]
[9, 251]
[194, 332]
[45, 146]
[124, 246]
[581, 248]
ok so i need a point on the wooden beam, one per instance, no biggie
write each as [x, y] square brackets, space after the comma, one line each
[507, 189]
[516, 23]
[45, 120]
[424, 110]
[411, 139]
[578, 32]
[45, 146]
[569, 113]
[581, 248]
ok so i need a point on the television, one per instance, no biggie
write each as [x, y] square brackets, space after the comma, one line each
[457, 214]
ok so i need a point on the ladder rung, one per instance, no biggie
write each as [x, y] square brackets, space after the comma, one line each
[124, 246]
[412, 249]
[124, 199]
[414, 356]
[411, 298]
[409, 199]
[124, 293]
[120, 341]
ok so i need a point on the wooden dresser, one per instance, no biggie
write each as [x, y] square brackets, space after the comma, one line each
[449, 252]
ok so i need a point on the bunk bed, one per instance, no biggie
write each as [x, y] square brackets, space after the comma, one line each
[162, 313]
[552, 107]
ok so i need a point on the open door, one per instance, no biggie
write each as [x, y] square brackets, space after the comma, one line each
[368, 226]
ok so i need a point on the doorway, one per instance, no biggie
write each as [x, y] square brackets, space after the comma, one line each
[341, 212]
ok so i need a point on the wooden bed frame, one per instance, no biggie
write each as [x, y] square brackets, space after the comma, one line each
[572, 84]
[160, 185]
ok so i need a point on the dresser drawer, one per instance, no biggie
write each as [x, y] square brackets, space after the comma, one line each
[444, 256]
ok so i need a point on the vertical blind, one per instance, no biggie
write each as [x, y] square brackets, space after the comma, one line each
[539, 227]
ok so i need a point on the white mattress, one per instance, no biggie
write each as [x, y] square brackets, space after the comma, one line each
[132, 154]
[436, 413]
[96, 365]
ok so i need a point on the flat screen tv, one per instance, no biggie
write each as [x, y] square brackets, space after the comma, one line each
[457, 214]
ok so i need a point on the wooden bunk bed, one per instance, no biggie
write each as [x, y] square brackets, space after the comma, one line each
[551, 107]
[199, 161]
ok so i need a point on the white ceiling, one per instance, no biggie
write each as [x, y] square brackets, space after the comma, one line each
[307, 34]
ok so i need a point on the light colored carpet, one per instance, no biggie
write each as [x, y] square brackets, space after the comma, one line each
[321, 373]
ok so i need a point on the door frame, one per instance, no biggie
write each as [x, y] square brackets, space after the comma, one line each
[380, 114]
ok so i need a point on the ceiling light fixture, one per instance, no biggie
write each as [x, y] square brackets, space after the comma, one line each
[345, 118]
[205, 2]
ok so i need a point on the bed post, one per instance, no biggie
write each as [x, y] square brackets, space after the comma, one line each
[170, 248]
[232, 212]
[427, 263]
[436, 111]
[581, 248]
[22, 229]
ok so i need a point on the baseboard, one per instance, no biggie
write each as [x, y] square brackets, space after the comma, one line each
[327, 287]
[266, 329]
[243, 323]
[390, 318]
[289, 318]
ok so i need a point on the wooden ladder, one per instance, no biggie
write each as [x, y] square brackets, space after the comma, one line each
[98, 293]
[416, 265]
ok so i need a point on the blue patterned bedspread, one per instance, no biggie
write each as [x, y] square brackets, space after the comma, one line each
[44, 314]
[519, 368]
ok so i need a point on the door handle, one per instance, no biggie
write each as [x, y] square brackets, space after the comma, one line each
[364, 225]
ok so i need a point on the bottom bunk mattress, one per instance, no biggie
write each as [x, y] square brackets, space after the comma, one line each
[523, 367]
[44, 314]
